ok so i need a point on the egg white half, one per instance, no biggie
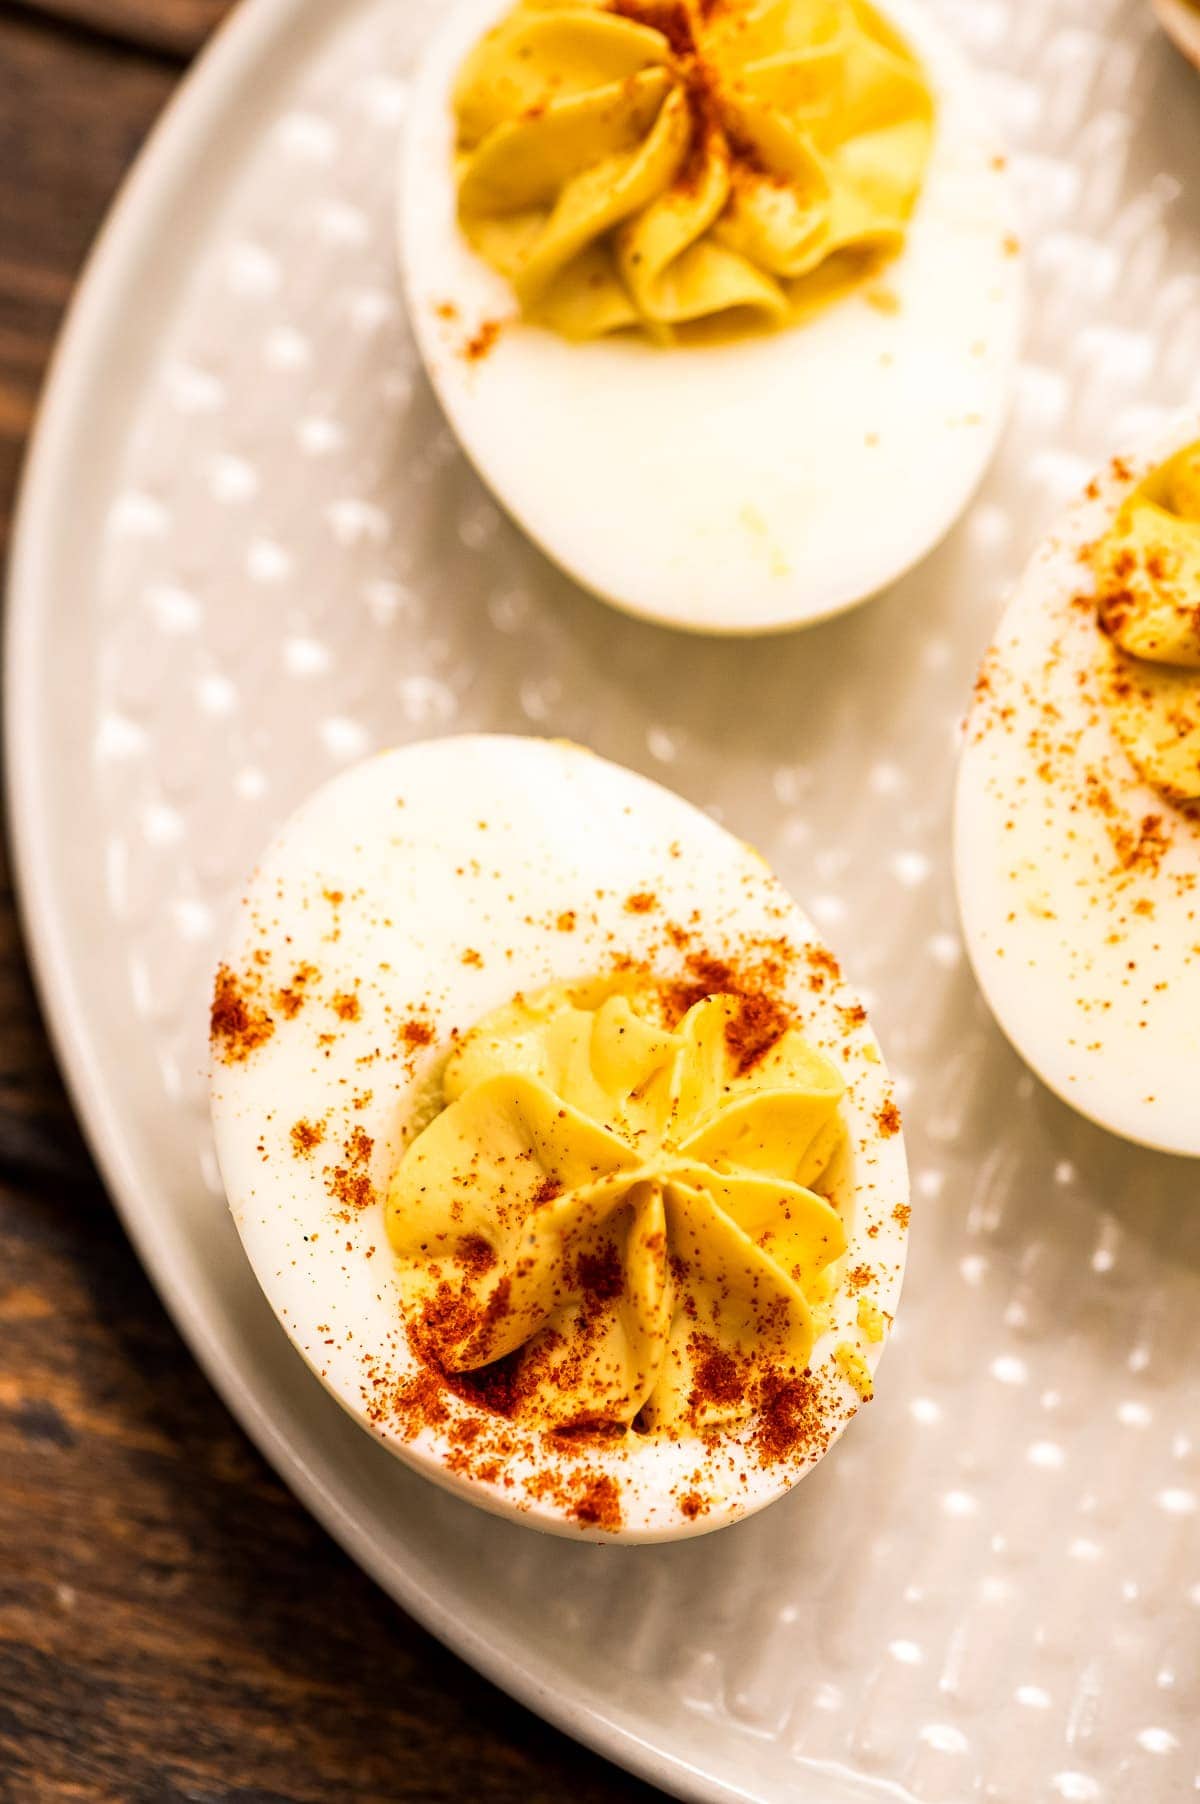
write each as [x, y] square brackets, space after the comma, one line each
[756, 484]
[1090, 961]
[428, 882]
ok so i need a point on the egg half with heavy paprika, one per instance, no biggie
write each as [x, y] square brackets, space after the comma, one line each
[556, 1139]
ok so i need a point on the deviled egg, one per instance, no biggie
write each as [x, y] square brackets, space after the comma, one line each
[556, 1140]
[1078, 813]
[722, 300]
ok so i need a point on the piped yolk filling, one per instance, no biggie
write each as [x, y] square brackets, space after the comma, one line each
[656, 163]
[1148, 589]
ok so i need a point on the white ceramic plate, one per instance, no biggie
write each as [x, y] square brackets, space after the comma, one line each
[248, 551]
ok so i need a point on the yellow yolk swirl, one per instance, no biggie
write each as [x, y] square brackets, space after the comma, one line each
[655, 162]
[1148, 587]
[620, 1208]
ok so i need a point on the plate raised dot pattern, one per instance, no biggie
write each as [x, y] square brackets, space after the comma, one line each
[993, 1591]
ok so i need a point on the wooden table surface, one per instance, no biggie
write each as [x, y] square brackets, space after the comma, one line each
[172, 1624]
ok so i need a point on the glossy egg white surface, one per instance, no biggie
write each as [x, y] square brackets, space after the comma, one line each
[756, 484]
[429, 883]
[1079, 884]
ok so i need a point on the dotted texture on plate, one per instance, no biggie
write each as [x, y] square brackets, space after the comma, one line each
[992, 1590]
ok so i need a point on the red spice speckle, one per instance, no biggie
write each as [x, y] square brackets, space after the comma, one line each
[476, 1255]
[758, 1024]
[719, 1377]
[791, 1419]
[305, 1135]
[349, 1184]
[291, 998]
[600, 1276]
[482, 341]
[598, 1503]
[238, 1022]
[887, 1119]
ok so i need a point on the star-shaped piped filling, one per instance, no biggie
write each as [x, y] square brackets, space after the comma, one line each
[612, 1217]
[664, 161]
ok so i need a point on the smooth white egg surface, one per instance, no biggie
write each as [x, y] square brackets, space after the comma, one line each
[753, 484]
[403, 902]
[1079, 884]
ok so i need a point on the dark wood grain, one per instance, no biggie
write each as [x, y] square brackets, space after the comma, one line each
[72, 116]
[172, 1625]
[178, 27]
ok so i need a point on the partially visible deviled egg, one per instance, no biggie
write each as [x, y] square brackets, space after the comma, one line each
[556, 1140]
[723, 300]
[1078, 816]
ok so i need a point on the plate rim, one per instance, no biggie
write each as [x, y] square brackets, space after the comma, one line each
[240, 45]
